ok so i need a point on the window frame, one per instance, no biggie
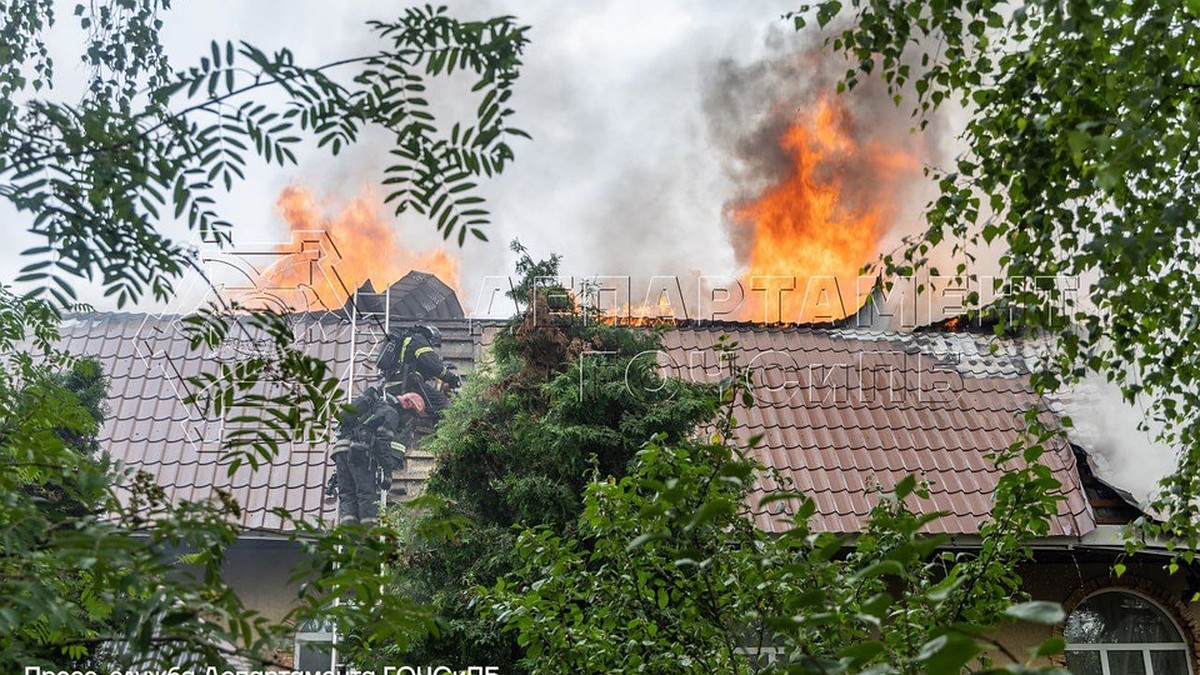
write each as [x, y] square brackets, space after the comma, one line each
[326, 636]
[1146, 649]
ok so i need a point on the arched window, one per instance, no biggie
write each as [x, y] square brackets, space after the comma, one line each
[1119, 633]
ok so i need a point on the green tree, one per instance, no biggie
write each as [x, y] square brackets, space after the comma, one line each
[146, 144]
[92, 555]
[82, 382]
[80, 569]
[563, 401]
[667, 573]
[1080, 160]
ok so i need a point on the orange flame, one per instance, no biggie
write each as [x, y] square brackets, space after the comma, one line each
[358, 244]
[808, 228]
[641, 314]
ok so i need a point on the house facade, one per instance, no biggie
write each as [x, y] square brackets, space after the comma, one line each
[843, 413]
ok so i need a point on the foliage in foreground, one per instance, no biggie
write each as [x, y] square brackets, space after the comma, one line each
[148, 143]
[96, 179]
[666, 573]
[93, 578]
[100, 569]
[1081, 162]
[557, 408]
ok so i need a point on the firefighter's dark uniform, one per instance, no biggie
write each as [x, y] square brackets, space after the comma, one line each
[408, 364]
[365, 454]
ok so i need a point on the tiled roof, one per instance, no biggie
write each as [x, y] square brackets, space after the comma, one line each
[149, 427]
[840, 411]
[843, 412]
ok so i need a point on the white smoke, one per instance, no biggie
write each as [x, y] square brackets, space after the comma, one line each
[1107, 427]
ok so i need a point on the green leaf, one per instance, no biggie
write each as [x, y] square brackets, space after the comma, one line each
[1050, 647]
[948, 654]
[1037, 611]
[881, 568]
[643, 539]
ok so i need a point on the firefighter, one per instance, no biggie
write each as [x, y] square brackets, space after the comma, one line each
[355, 478]
[370, 446]
[410, 363]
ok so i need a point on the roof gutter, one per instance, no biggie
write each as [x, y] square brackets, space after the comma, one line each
[1110, 538]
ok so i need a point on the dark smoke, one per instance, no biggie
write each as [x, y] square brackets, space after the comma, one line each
[749, 106]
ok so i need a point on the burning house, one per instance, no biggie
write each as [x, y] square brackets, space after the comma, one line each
[843, 413]
[844, 409]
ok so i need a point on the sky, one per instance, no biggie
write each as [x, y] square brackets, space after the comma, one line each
[622, 176]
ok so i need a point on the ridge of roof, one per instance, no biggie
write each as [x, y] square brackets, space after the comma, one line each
[836, 328]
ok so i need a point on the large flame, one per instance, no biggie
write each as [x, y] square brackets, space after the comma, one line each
[357, 244]
[814, 230]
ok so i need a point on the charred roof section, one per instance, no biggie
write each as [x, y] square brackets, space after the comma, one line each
[417, 296]
[1110, 504]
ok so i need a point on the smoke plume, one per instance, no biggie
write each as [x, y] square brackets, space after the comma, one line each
[821, 182]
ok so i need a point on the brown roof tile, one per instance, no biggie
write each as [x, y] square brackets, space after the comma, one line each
[847, 413]
[149, 427]
[850, 412]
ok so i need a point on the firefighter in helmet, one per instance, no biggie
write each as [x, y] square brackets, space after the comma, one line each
[370, 446]
[410, 363]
